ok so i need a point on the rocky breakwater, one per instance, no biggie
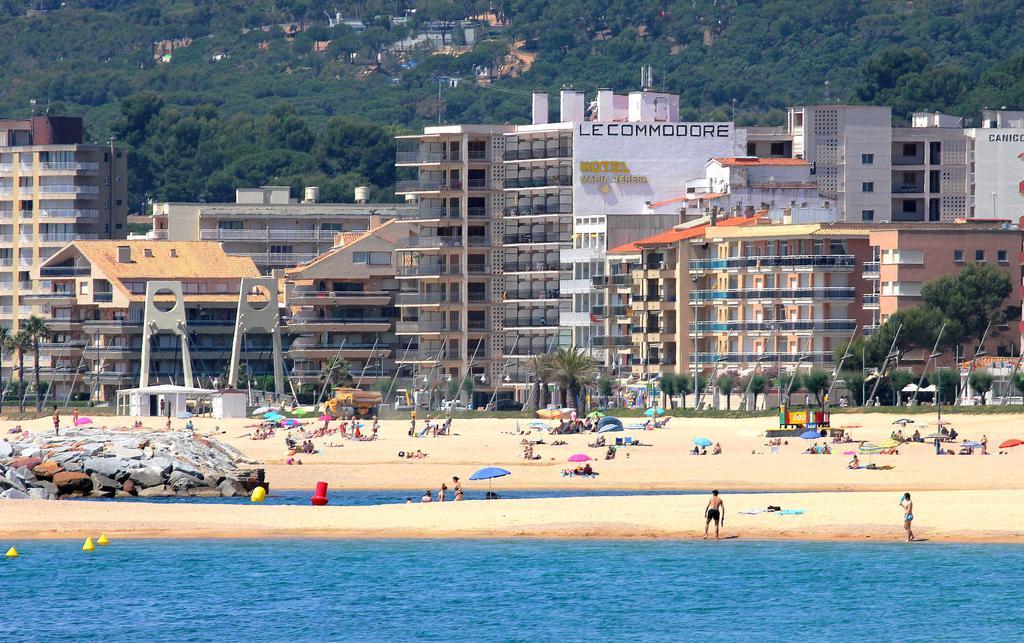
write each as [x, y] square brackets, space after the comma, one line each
[113, 462]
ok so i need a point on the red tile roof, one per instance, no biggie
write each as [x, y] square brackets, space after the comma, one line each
[751, 161]
[672, 235]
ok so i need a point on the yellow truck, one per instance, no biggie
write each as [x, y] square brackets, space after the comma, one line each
[349, 402]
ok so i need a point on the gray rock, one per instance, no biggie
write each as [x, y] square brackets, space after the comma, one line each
[126, 453]
[155, 492]
[147, 477]
[160, 463]
[38, 493]
[93, 448]
[6, 449]
[104, 466]
[180, 480]
[14, 494]
[231, 488]
[103, 483]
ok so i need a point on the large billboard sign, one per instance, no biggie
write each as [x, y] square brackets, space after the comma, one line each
[999, 173]
[620, 167]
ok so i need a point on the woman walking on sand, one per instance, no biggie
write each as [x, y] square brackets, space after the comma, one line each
[908, 515]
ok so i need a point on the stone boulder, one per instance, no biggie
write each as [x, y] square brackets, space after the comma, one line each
[14, 494]
[147, 477]
[231, 488]
[68, 482]
[104, 466]
[26, 462]
[103, 484]
[179, 480]
[129, 488]
[6, 449]
[46, 470]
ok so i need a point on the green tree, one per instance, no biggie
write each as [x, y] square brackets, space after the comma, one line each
[981, 382]
[898, 379]
[757, 384]
[854, 385]
[336, 371]
[606, 388]
[725, 385]
[970, 300]
[574, 370]
[816, 382]
[19, 343]
[684, 385]
[946, 382]
[542, 370]
[671, 385]
[1018, 382]
[37, 331]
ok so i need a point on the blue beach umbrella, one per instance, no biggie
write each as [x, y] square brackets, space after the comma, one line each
[654, 410]
[971, 444]
[489, 474]
[702, 442]
[184, 415]
[810, 435]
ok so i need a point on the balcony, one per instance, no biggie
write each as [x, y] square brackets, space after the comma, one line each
[423, 326]
[429, 242]
[103, 297]
[620, 310]
[323, 324]
[817, 357]
[560, 180]
[231, 234]
[512, 323]
[870, 329]
[871, 300]
[120, 352]
[62, 348]
[901, 159]
[534, 154]
[611, 341]
[283, 259]
[535, 266]
[78, 190]
[67, 166]
[422, 157]
[58, 237]
[747, 294]
[64, 271]
[580, 255]
[432, 270]
[808, 325]
[67, 214]
[908, 189]
[111, 326]
[339, 297]
[843, 262]
[870, 270]
[525, 238]
[561, 209]
[611, 281]
[425, 298]
[575, 286]
[531, 295]
[416, 355]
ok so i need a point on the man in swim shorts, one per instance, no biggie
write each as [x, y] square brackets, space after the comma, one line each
[714, 511]
[908, 515]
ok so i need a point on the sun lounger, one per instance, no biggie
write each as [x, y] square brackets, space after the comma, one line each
[628, 442]
[618, 442]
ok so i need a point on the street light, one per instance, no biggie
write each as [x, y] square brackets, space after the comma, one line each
[696, 375]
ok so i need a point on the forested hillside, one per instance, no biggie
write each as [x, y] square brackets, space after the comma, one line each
[211, 94]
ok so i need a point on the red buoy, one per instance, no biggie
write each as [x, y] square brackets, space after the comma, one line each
[319, 498]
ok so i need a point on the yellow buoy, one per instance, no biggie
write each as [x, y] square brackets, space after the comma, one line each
[259, 494]
[12, 553]
[88, 546]
[102, 540]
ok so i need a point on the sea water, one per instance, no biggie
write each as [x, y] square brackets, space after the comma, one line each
[511, 590]
[367, 497]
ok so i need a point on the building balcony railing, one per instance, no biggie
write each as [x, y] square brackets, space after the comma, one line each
[355, 295]
[812, 325]
[871, 299]
[432, 270]
[279, 258]
[65, 271]
[419, 298]
[562, 209]
[870, 329]
[91, 190]
[537, 237]
[764, 358]
[518, 183]
[611, 341]
[870, 268]
[413, 327]
[620, 310]
[430, 242]
[533, 266]
[531, 322]
[229, 234]
[417, 156]
[103, 297]
[59, 237]
[608, 281]
[581, 255]
[840, 292]
[335, 321]
[531, 295]
[403, 356]
[546, 153]
[68, 166]
[794, 261]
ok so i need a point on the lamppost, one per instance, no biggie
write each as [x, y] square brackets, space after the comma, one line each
[696, 373]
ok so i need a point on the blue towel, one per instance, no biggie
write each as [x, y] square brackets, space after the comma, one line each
[790, 512]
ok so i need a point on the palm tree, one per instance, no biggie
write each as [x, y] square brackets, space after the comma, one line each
[336, 371]
[37, 330]
[5, 333]
[574, 370]
[20, 342]
[542, 368]
[725, 385]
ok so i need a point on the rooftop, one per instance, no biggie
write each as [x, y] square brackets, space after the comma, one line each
[755, 161]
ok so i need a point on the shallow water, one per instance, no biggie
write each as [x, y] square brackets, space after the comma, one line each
[522, 590]
[354, 497]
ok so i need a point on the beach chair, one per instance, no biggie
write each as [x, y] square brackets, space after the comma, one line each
[628, 442]
[618, 442]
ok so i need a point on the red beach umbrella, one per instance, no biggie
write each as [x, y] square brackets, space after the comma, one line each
[1012, 442]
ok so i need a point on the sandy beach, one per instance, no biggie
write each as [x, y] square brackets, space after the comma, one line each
[958, 498]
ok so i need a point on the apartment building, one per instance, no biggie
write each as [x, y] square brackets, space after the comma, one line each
[342, 304]
[97, 298]
[268, 226]
[53, 189]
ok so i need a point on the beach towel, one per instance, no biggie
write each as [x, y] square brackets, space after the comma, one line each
[790, 512]
[753, 512]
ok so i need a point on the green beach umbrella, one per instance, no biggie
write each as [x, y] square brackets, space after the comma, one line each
[595, 414]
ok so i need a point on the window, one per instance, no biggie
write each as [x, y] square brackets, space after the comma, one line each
[867, 215]
[910, 149]
[1001, 256]
[979, 255]
[380, 258]
[360, 257]
[751, 148]
[83, 288]
[778, 149]
[229, 225]
[958, 256]
[867, 159]
[867, 186]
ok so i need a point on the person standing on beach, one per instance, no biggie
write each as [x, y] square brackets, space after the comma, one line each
[442, 492]
[908, 515]
[458, 488]
[714, 511]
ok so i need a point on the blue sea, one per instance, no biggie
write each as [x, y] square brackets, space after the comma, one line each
[511, 590]
[366, 497]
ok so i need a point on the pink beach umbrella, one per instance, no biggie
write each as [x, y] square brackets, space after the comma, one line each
[579, 457]
[326, 418]
[82, 421]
